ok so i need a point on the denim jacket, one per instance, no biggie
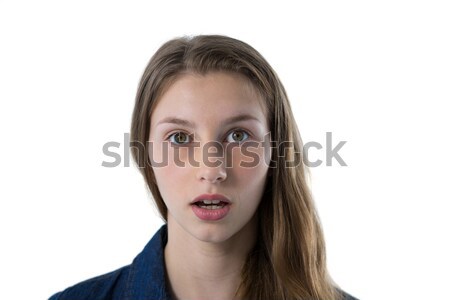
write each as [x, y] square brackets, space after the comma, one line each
[144, 279]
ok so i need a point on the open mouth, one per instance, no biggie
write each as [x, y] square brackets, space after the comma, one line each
[211, 204]
[211, 210]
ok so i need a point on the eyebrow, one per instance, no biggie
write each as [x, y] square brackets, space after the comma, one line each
[234, 119]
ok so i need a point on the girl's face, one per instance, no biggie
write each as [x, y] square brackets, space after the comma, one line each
[206, 138]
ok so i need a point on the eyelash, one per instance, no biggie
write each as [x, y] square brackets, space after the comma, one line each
[190, 136]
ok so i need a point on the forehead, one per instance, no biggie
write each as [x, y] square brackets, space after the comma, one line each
[215, 94]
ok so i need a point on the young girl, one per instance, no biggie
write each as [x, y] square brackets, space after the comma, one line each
[215, 139]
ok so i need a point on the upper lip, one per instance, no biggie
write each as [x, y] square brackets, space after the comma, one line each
[211, 197]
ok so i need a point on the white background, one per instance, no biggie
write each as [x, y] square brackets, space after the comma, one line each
[374, 73]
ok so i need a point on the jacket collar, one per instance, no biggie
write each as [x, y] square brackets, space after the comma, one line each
[146, 279]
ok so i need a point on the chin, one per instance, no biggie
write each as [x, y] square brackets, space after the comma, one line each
[212, 233]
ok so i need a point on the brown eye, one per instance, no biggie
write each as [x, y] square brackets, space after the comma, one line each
[179, 138]
[237, 136]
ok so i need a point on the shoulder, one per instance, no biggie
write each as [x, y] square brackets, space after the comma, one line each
[103, 287]
[144, 278]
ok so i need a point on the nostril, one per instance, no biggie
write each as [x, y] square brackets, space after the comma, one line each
[214, 179]
[216, 174]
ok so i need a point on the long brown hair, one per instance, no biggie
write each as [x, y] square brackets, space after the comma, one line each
[288, 261]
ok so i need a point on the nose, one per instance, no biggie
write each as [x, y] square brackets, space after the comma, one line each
[211, 169]
[212, 174]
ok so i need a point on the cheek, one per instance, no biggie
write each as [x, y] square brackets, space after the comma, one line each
[250, 173]
[248, 161]
[251, 186]
[161, 153]
[170, 174]
[252, 181]
[171, 178]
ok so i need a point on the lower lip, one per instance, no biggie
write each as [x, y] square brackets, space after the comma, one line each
[211, 214]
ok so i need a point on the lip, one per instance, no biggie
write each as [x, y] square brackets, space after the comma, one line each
[211, 214]
[211, 197]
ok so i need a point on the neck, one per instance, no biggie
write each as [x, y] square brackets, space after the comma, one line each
[204, 270]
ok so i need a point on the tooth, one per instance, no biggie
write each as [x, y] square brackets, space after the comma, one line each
[216, 201]
[207, 201]
[210, 207]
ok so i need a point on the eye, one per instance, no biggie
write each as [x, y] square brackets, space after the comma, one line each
[237, 136]
[179, 138]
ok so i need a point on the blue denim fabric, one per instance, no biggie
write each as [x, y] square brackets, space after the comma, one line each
[144, 279]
